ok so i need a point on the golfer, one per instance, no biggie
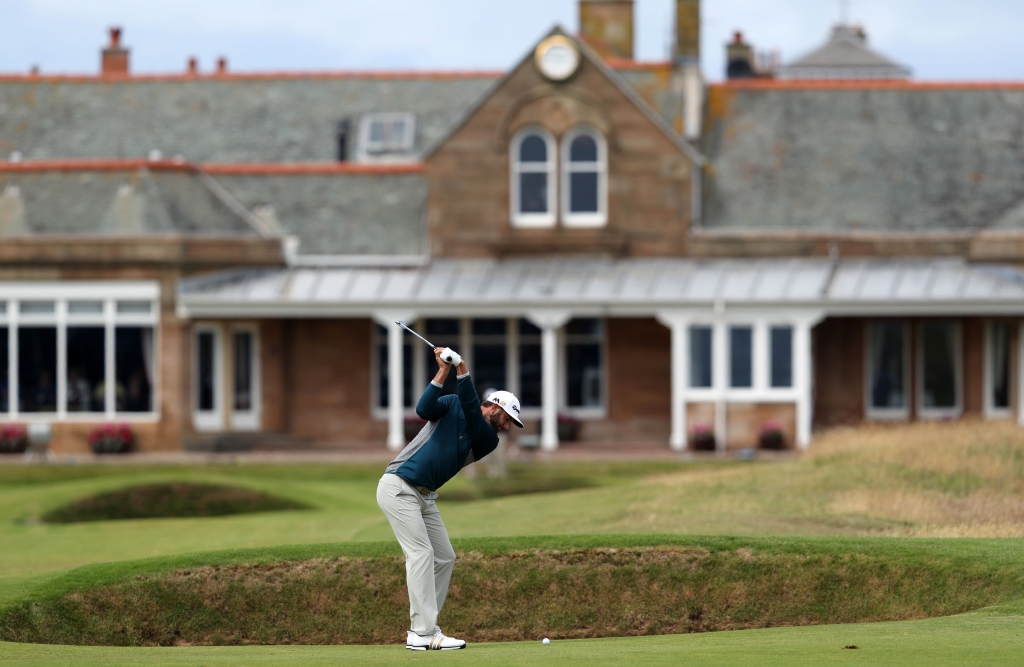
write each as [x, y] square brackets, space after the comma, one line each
[458, 432]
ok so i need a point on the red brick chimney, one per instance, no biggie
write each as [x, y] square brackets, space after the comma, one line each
[222, 65]
[193, 66]
[114, 60]
[607, 26]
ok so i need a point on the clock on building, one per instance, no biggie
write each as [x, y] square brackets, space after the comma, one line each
[557, 58]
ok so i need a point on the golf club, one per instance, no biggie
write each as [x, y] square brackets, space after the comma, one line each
[452, 358]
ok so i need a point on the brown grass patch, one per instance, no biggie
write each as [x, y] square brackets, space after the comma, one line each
[175, 499]
[520, 595]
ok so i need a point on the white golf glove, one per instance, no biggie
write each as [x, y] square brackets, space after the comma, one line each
[451, 356]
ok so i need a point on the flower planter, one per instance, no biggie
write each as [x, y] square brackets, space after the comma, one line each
[772, 436]
[702, 438]
[111, 439]
[13, 439]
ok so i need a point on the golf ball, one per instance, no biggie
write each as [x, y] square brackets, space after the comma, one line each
[546, 641]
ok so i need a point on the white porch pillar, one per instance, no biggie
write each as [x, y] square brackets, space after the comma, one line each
[678, 324]
[549, 323]
[720, 377]
[803, 367]
[396, 378]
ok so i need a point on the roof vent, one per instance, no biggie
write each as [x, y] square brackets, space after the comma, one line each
[15, 157]
[155, 155]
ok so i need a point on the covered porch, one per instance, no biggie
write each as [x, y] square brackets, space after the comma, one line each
[691, 347]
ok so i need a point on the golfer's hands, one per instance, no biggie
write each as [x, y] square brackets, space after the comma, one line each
[443, 366]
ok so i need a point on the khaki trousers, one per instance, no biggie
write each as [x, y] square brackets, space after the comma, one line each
[429, 557]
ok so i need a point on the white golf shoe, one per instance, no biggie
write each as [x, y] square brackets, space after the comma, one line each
[435, 642]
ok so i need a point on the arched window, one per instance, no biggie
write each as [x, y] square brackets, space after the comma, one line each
[533, 178]
[584, 179]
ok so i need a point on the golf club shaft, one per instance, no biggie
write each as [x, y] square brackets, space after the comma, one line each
[404, 326]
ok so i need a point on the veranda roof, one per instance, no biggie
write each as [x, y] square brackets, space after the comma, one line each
[613, 287]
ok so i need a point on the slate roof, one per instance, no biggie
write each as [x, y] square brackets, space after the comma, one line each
[128, 202]
[373, 214]
[845, 55]
[860, 156]
[607, 286]
[220, 119]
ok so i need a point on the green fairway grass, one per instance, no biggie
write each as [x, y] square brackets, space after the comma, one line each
[991, 637]
[869, 488]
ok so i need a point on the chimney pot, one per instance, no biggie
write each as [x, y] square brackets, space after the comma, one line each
[193, 65]
[114, 58]
[222, 65]
[739, 58]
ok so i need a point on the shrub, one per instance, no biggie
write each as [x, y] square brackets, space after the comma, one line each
[111, 439]
[702, 437]
[772, 436]
[13, 439]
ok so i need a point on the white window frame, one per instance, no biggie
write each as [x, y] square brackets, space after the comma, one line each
[550, 217]
[61, 293]
[991, 410]
[888, 414]
[599, 218]
[958, 372]
[248, 420]
[371, 151]
[760, 390]
[209, 420]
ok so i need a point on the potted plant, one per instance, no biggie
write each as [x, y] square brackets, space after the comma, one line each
[13, 439]
[568, 428]
[111, 439]
[702, 438]
[772, 436]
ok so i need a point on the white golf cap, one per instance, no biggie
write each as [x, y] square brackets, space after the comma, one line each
[508, 402]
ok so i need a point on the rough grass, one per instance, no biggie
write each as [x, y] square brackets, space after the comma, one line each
[508, 590]
[174, 499]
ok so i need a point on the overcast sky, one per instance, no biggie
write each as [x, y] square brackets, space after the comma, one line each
[937, 39]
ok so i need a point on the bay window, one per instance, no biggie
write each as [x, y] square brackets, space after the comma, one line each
[77, 350]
